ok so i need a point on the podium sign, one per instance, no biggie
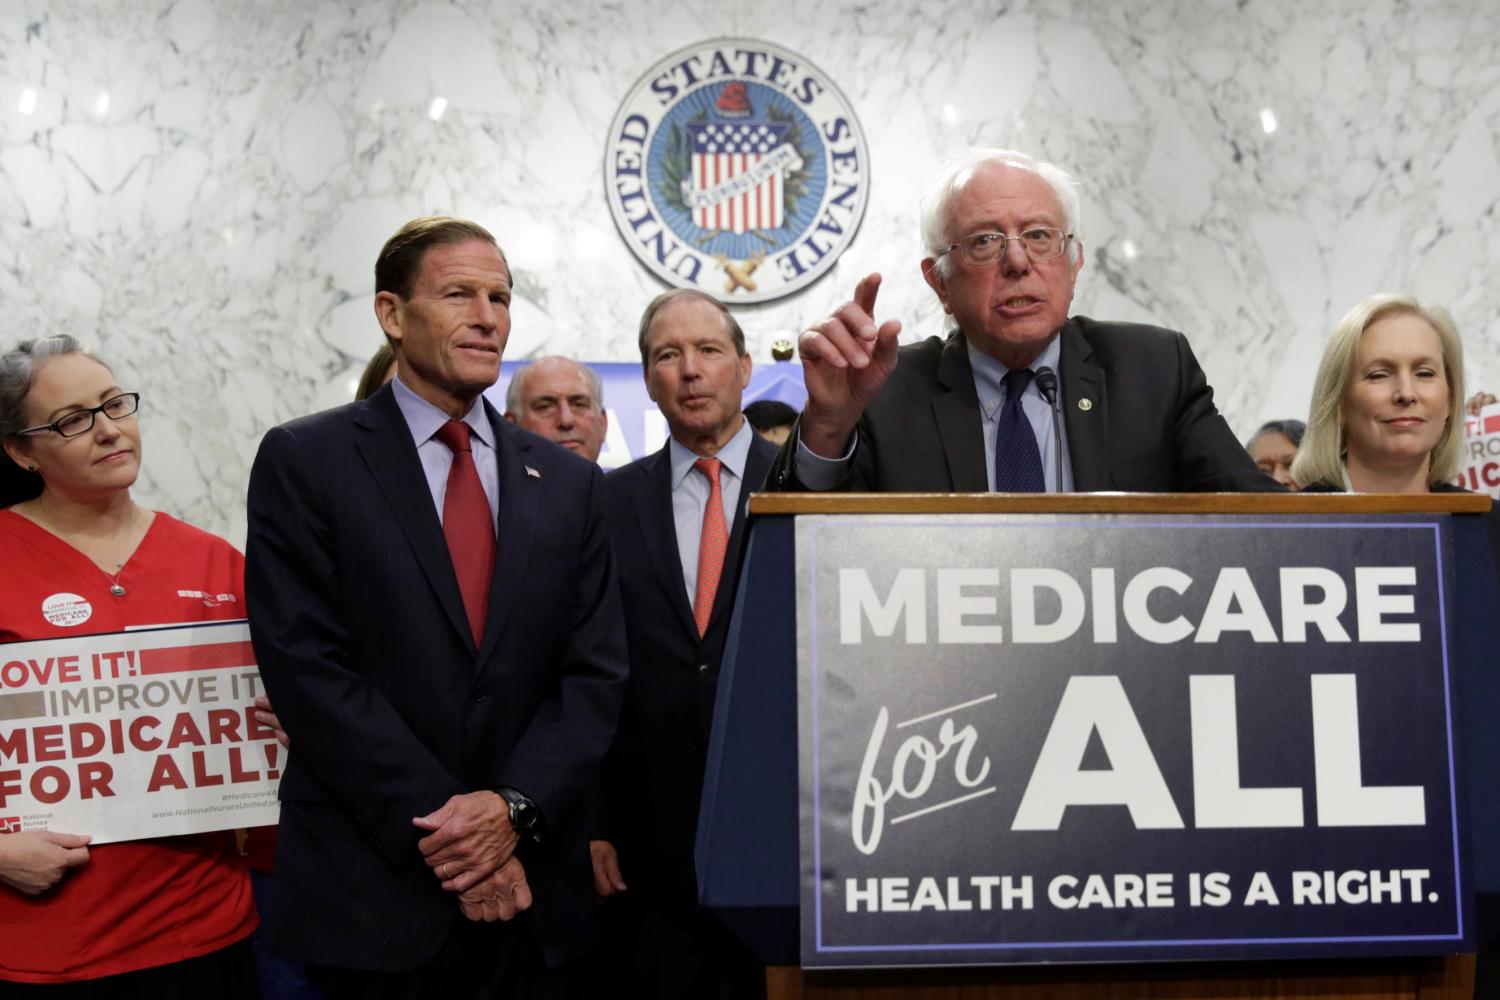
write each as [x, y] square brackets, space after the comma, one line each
[1038, 738]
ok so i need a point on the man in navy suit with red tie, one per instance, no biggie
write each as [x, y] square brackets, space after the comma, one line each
[433, 601]
[677, 519]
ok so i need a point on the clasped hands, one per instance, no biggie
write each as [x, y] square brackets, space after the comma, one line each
[470, 847]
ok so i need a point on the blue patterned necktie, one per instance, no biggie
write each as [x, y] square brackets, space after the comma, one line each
[1018, 463]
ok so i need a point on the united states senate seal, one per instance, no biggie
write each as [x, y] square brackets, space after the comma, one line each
[737, 167]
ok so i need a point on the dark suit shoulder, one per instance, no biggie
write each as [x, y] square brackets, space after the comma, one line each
[629, 473]
[1326, 486]
[330, 421]
[762, 449]
[925, 354]
[334, 424]
[758, 466]
[632, 476]
[915, 378]
[541, 451]
[1111, 338]
[1102, 327]
[917, 364]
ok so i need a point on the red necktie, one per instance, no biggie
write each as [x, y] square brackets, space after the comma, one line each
[712, 545]
[469, 526]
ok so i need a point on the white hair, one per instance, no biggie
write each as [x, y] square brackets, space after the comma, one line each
[955, 173]
[513, 391]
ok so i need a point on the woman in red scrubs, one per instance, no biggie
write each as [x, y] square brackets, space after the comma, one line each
[161, 918]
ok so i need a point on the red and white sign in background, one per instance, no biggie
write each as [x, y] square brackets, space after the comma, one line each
[148, 733]
[1481, 468]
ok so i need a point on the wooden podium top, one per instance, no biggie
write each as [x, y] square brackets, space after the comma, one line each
[1119, 503]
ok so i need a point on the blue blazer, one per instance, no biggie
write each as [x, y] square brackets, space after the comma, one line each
[654, 775]
[365, 650]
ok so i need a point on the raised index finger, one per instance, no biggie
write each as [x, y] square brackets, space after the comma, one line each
[865, 292]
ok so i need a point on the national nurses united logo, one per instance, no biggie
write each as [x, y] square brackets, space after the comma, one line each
[738, 168]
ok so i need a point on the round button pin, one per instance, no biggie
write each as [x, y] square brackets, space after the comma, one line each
[1085, 405]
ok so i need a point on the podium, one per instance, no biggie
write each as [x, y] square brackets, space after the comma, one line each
[748, 839]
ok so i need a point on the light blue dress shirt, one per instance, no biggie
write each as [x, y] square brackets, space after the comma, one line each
[690, 496]
[988, 382]
[819, 473]
[423, 420]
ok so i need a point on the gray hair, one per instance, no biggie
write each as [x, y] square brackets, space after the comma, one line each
[1292, 430]
[1320, 458]
[656, 305]
[18, 372]
[513, 391]
[17, 375]
[956, 171]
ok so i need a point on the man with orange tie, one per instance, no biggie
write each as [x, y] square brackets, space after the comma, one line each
[677, 520]
[432, 597]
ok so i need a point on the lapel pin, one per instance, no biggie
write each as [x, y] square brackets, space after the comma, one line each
[533, 473]
[1085, 404]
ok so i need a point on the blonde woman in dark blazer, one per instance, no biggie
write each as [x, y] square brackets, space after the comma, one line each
[1387, 408]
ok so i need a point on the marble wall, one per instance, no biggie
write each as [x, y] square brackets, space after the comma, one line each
[200, 187]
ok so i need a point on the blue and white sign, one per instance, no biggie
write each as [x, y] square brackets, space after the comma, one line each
[737, 167]
[1039, 738]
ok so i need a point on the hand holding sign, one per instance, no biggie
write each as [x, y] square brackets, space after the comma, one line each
[35, 860]
[266, 716]
[1478, 402]
[1480, 465]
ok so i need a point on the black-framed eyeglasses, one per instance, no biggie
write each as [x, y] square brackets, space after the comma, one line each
[982, 249]
[82, 421]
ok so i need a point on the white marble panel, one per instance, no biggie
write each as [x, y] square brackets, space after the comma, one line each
[200, 186]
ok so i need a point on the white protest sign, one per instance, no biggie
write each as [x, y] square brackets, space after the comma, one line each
[1480, 470]
[148, 733]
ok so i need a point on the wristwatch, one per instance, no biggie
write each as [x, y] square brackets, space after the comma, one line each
[524, 814]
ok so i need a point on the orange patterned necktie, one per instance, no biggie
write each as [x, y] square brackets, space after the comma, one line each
[468, 526]
[712, 545]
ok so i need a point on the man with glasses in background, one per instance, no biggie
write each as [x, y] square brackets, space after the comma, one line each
[1018, 397]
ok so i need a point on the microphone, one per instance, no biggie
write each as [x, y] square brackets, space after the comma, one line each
[1046, 384]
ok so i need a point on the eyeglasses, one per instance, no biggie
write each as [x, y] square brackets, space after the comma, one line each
[982, 249]
[82, 421]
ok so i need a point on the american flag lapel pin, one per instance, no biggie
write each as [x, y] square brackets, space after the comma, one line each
[533, 473]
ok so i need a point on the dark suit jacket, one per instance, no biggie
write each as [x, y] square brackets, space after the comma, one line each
[1149, 424]
[654, 774]
[366, 652]
[1328, 486]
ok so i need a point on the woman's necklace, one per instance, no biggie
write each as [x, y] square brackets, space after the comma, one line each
[116, 588]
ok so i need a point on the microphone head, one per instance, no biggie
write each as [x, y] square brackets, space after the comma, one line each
[1046, 384]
